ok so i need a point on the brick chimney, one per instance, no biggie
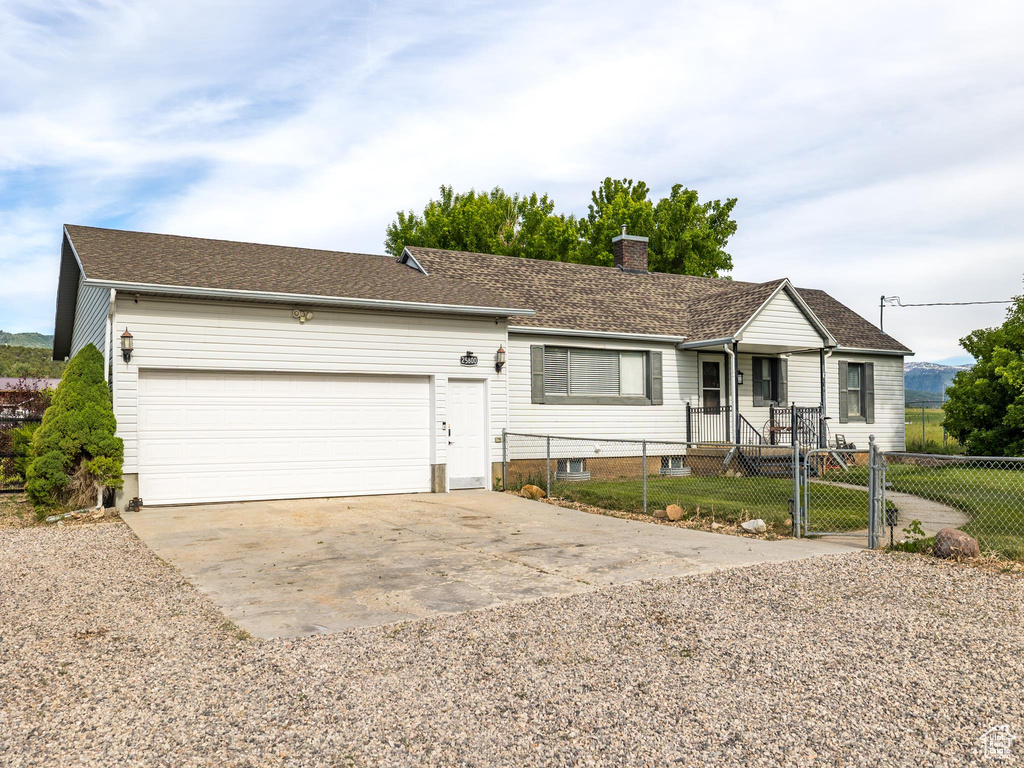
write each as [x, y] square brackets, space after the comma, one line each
[630, 252]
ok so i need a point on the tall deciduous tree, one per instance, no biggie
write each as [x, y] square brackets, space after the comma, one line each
[985, 410]
[686, 236]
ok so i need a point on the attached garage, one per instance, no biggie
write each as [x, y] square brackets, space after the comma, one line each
[208, 436]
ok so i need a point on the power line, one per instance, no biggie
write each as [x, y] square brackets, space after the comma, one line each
[895, 301]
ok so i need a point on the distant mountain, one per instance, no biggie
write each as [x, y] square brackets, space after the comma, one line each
[26, 339]
[928, 380]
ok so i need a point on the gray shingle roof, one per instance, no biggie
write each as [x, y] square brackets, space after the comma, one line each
[605, 299]
[564, 296]
[172, 260]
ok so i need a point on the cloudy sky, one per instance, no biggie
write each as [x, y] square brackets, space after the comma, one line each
[874, 147]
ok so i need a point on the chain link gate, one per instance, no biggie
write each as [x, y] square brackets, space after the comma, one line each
[842, 493]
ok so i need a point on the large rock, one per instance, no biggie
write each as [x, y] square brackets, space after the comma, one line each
[949, 542]
[674, 512]
[532, 492]
[754, 526]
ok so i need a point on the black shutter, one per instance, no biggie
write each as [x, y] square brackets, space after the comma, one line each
[844, 395]
[537, 373]
[755, 379]
[783, 379]
[869, 392]
[657, 387]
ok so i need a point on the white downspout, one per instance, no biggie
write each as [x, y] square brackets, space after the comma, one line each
[106, 371]
[106, 337]
[734, 392]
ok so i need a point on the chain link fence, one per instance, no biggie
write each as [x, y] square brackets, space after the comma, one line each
[897, 497]
[712, 482]
[983, 496]
[837, 487]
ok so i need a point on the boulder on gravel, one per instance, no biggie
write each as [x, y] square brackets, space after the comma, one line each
[951, 543]
[674, 512]
[532, 492]
[660, 514]
[754, 526]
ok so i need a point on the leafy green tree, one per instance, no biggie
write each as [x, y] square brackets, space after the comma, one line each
[614, 203]
[689, 237]
[985, 410]
[686, 236]
[75, 450]
[494, 222]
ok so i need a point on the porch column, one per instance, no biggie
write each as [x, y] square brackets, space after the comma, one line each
[736, 392]
[822, 439]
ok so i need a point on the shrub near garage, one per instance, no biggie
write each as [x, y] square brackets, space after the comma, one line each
[75, 451]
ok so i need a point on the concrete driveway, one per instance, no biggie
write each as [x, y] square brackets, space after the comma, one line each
[289, 568]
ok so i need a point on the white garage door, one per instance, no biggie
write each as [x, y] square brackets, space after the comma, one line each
[223, 436]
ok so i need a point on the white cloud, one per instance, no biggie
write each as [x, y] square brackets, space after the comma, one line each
[874, 147]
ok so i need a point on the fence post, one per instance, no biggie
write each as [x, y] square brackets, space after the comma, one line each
[792, 423]
[504, 460]
[547, 487]
[645, 475]
[872, 494]
[796, 489]
[688, 423]
[923, 449]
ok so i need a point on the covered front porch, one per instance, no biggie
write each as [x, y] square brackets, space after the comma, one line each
[751, 395]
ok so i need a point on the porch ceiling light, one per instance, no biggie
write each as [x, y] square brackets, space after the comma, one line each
[499, 359]
[127, 347]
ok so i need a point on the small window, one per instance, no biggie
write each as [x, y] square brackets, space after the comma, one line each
[590, 373]
[765, 386]
[674, 466]
[671, 462]
[572, 470]
[855, 389]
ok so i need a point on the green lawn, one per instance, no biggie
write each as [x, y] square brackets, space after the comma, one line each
[993, 499]
[933, 442]
[728, 499]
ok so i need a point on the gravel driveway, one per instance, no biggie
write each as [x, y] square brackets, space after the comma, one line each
[108, 657]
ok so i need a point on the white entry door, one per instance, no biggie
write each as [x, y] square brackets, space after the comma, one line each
[234, 436]
[467, 445]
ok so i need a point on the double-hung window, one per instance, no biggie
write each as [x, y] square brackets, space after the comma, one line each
[768, 380]
[856, 391]
[597, 376]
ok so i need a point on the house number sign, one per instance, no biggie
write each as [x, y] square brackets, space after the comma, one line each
[469, 359]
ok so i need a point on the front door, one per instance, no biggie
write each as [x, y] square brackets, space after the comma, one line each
[467, 443]
[711, 392]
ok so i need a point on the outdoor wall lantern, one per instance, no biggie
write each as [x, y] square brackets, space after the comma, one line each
[739, 377]
[126, 346]
[499, 359]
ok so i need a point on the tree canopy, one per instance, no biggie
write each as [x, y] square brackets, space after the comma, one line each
[985, 410]
[686, 236]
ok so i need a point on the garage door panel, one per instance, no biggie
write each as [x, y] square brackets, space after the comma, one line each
[234, 436]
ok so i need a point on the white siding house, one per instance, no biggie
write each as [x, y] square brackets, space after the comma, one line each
[268, 372]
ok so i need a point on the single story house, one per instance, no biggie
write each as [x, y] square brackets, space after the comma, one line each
[262, 372]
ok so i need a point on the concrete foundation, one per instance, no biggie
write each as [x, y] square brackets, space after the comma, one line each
[127, 492]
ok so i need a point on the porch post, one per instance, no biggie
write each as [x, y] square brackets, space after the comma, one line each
[736, 391]
[822, 438]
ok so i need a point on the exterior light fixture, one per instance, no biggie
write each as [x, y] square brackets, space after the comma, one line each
[499, 359]
[126, 346]
[739, 377]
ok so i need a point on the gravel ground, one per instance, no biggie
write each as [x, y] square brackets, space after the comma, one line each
[108, 657]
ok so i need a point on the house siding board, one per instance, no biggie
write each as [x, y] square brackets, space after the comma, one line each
[623, 422]
[90, 317]
[805, 390]
[781, 318]
[211, 335]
